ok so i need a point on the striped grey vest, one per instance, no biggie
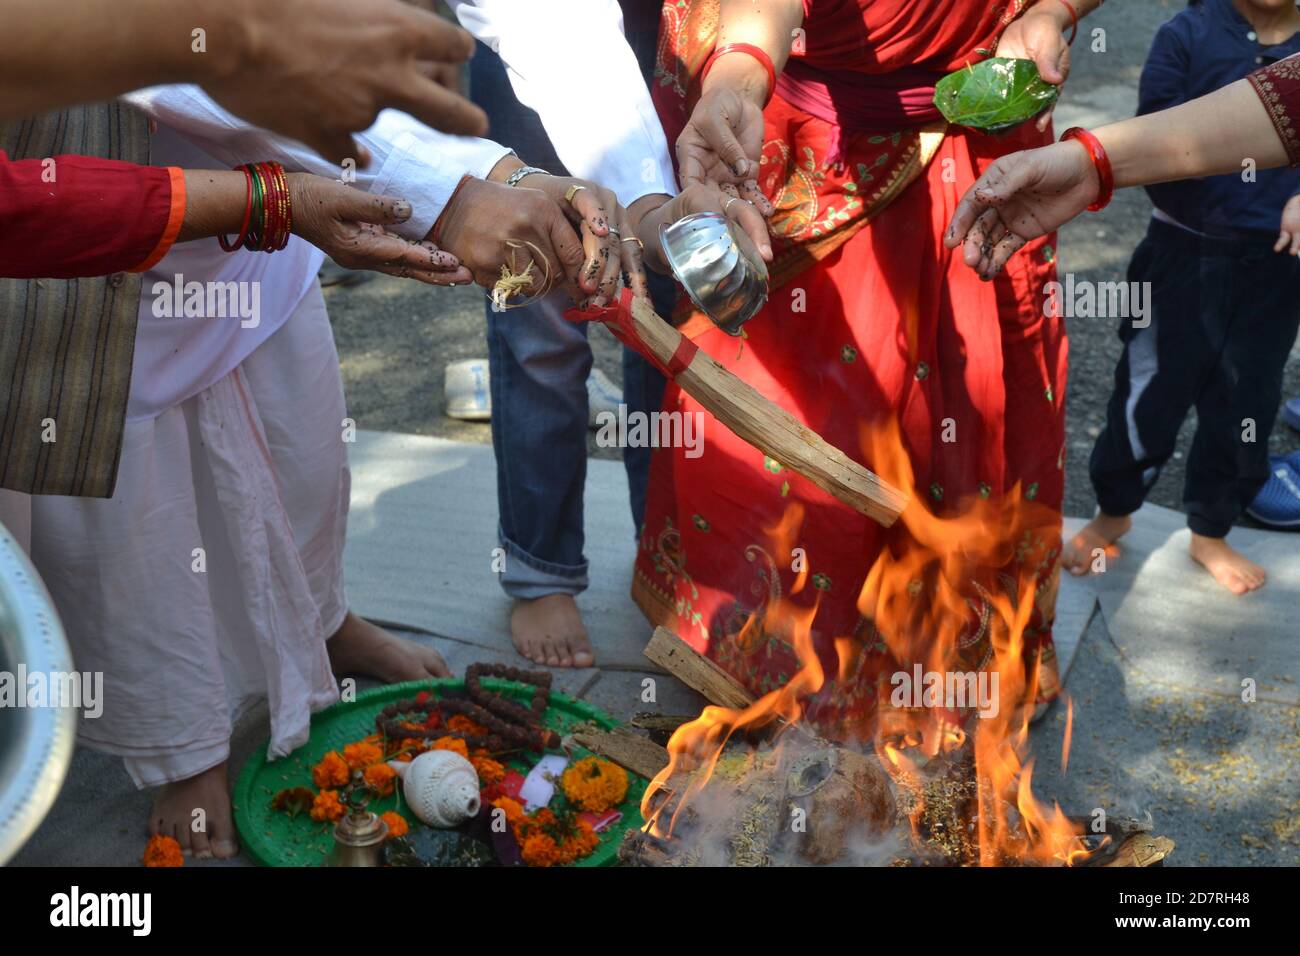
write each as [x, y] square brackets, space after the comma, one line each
[66, 345]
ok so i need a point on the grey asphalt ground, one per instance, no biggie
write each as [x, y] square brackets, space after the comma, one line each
[1219, 777]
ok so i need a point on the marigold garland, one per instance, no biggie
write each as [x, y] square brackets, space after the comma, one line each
[362, 754]
[454, 744]
[382, 778]
[326, 807]
[489, 771]
[594, 784]
[162, 851]
[545, 839]
[465, 725]
[332, 771]
[397, 825]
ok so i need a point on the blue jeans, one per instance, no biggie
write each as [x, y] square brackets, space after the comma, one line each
[539, 364]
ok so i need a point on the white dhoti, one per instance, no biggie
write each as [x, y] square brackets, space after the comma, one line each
[214, 575]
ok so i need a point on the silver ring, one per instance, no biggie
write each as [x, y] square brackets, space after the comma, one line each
[614, 232]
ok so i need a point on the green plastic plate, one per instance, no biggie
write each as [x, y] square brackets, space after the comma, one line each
[276, 839]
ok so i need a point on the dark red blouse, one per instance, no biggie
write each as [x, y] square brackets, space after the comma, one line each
[69, 216]
[1278, 86]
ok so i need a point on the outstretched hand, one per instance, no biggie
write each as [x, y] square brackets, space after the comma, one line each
[489, 225]
[721, 145]
[327, 67]
[1021, 197]
[701, 198]
[348, 224]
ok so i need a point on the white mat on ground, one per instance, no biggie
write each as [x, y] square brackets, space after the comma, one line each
[1174, 623]
[422, 530]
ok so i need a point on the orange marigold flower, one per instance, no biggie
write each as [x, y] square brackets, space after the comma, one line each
[361, 755]
[513, 809]
[163, 851]
[397, 825]
[489, 771]
[464, 725]
[538, 849]
[454, 744]
[326, 806]
[381, 777]
[331, 772]
[594, 784]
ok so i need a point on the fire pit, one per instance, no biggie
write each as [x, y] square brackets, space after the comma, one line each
[774, 793]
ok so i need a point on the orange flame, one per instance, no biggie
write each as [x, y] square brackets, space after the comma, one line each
[945, 599]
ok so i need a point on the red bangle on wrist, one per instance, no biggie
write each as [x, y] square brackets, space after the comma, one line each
[1097, 153]
[756, 52]
[268, 194]
[1074, 21]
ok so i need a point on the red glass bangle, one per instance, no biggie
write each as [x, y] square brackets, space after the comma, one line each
[1097, 153]
[1074, 21]
[248, 212]
[756, 52]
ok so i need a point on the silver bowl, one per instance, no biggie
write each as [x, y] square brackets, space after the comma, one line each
[718, 266]
[35, 742]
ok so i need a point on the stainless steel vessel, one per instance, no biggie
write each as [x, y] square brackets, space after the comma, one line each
[718, 266]
[35, 742]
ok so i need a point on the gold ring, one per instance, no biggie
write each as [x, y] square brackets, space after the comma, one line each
[727, 205]
[573, 191]
[633, 239]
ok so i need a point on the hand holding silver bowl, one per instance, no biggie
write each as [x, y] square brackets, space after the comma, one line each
[719, 267]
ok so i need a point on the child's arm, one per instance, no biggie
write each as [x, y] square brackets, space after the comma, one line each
[1290, 232]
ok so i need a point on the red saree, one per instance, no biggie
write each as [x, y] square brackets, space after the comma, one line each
[869, 319]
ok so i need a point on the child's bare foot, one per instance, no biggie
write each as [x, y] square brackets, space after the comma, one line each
[173, 815]
[1099, 534]
[549, 630]
[359, 647]
[1229, 567]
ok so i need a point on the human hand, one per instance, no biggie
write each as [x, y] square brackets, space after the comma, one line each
[489, 225]
[319, 70]
[348, 224]
[606, 230]
[1039, 35]
[723, 139]
[1021, 197]
[700, 198]
[1290, 230]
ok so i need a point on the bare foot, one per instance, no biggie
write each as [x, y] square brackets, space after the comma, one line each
[1229, 567]
[359, 647]
[549, 630]
[204, 836]
[1098, 535]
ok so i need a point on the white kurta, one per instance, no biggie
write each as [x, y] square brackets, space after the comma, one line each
[214, 575]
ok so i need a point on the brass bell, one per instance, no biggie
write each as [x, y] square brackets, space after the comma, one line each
[359, 836]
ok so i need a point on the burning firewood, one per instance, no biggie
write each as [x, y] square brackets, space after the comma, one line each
[778, 794]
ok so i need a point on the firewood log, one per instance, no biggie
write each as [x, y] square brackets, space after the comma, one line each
[769, 427]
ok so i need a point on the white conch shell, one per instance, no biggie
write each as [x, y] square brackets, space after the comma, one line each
[441, 787]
